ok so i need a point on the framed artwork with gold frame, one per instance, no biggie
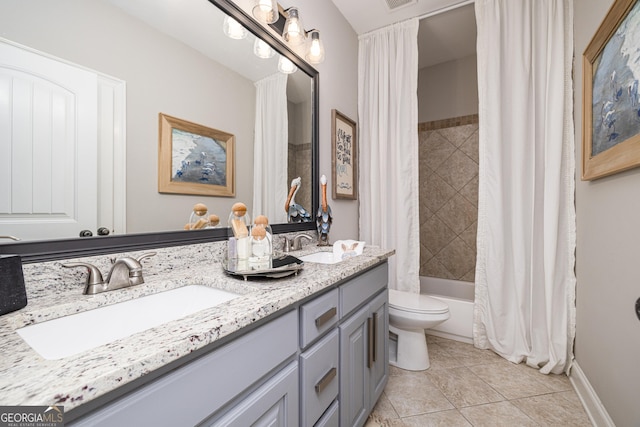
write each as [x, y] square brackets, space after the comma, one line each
[611, 96]
[195, 159]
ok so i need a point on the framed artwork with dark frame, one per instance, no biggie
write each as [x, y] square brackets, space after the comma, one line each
[195, 159]
[344, 157]
[611, 96]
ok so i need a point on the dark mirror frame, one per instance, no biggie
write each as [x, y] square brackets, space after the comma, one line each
[50, 250]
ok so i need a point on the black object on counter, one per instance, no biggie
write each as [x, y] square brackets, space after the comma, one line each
[285, 260]
[13, 295]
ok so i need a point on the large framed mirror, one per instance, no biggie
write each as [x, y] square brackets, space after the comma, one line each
[153, 45]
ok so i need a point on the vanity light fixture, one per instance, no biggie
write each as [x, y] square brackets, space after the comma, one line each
[315, 50]
[233, 29]
[286, 66]
[262, 49]
[266, 11]
[294, 33]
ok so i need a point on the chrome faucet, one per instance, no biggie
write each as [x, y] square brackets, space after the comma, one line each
[295, 244]
[125, 272]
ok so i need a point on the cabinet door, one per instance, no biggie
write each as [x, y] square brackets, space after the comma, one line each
[354, 373]
[273, 404]
[379, 310]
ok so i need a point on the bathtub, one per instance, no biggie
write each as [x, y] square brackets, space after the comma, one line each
[459, 296]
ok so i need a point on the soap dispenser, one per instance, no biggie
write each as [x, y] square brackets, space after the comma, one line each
[239, 224]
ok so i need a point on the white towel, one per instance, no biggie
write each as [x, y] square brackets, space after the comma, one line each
[343, 249]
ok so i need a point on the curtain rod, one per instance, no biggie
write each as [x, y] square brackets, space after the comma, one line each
[445, 9]
[423, 16]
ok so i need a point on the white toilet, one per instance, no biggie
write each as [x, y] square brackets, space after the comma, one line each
[409, 315]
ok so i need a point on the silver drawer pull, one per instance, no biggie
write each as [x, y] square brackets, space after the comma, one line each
[326, 316]
[374, 337]
[326, 380]
[369, 343]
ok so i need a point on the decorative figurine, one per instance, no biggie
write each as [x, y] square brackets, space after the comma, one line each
[295, 212]
[324, 218]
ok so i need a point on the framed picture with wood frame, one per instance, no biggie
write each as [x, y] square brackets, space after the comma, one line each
[344, 156]
[611, 96]
[195, 159]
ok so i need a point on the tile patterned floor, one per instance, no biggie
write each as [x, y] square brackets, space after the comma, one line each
[470, 387]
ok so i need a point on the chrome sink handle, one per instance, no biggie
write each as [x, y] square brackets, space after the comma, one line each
[95, 284]
[147, 255]
[94, 277]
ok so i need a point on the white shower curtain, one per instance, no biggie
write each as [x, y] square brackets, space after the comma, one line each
[525, 281]
[388, 114]
[270, 150]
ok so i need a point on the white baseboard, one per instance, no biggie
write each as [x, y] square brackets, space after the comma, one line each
[590, 400]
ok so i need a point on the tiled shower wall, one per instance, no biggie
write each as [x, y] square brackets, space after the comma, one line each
[449, 197]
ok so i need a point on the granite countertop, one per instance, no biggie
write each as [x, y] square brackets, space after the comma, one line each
[53, 291]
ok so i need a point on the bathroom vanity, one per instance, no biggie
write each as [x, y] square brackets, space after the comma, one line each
[310, 349]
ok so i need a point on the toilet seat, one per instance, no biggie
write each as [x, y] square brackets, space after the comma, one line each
[416, 303]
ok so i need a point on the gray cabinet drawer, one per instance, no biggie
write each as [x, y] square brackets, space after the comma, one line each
[331, 418]
[319, 377]
[318, 316]
[275, 403]
[361, 288]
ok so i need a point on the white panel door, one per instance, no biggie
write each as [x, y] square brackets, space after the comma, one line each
[48, 146]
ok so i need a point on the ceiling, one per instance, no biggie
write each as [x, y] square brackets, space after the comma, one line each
[447, 31]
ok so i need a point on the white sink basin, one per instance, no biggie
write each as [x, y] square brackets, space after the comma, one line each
[321, 258]
[69, 335]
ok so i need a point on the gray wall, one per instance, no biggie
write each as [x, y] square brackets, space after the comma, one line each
[607, 335]
[448, 90]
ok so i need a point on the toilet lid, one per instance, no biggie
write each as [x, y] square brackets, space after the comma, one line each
[416, 303]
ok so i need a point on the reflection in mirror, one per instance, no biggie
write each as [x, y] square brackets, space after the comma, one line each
[167, 74]
[163, 51]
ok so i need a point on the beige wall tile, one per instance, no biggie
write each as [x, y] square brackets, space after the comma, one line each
[457, 257]
[457, 170]
[458, 213]
[449, 190]
[437, 234]
[436, 192]
[470, 191]
[458, 135]
[470, 146]
[434, 268]
[436, 150]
